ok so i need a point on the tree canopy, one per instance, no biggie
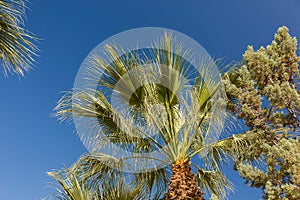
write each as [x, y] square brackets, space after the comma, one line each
[264, 93]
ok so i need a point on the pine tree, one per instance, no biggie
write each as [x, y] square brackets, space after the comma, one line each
[264, 92]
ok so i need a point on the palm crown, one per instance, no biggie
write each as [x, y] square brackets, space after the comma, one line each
[168, 109]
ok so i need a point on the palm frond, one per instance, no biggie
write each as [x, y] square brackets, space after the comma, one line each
[96, 166]
[154, 183]
[72, 189]
[214, 182]
[16, 46]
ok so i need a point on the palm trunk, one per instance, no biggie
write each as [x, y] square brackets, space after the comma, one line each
[183, 185]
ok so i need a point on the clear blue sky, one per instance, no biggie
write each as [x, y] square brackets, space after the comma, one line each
[33, 143]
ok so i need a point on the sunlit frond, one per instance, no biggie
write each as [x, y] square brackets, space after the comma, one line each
[214, 182]
[154, 183]
[71, 188]
[16, 46]
[94, 171]
[96, 166]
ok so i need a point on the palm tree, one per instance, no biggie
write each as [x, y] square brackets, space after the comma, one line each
[184, 131]
[16, 48]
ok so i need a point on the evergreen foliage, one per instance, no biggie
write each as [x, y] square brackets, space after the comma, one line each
[264, 93]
